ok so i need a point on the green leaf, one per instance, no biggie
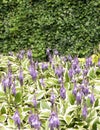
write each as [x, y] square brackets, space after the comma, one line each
[3, 118]
[3, 110]
[18, 97]
[68, 119]
[40, 94]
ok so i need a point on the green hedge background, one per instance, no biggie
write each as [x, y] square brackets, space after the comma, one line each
[71, 26]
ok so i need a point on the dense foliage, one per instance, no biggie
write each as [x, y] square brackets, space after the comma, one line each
[63, 93]
[71, 26]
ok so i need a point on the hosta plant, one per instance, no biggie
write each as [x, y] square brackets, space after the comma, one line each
[61, 94]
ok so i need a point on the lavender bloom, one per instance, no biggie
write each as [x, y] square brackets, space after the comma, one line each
[33, 72]
[85, 90]
[55, 52]
[59, 71]
[92, 99]
[88, 62]
[52, 98]
[70, 73]
[29, 54]
[34, 101]
[21, 55]
[34, 121]
[16, 118]
[84, 111]
[78, 69]
[79, 97]
[75, 89]
[13, 88]
[75, 63]
[42, 82]
[22, 52]
[53, 121]
[5, 83]
[9, 76]
[60, 79]
[44, 66]
[85, 72]
[63, 92]
[69, 58]
[50, 59]
[21, 77]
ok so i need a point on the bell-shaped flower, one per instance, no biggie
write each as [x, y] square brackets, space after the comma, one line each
[62, 92]
[59, 71]
[70, 73]
[13, 88]
[88, 62]
[34, 101]
[84, 111]
[16, 119]
[53, 121]
[34, 121]
[91, 97]
[52, 98]
[33, 72]
[29, 54]
[21, 77]
[44, 66]
[79, 97]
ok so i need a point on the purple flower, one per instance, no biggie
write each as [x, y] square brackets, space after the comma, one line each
[16, 118]
[20, 55]
[9, 76]
[92, 99]
[42, 82]
[21, 77]
[69, 58]
[44, 66]
[29, 54]
[75, 89]
[54, 121]
[63, 92]
[13, 88]
[33, 72]
[78, 97]
[88, 62]
[59, 71]
[60, 79]
[84, 87]
[5, 83]
[78, 69]
[34, 101]
[22, 52]
[34, 121]
[55, 52]
[70, 73]
[85, 72]
[50, 59]
[52, 98]
[84, 111]
[75, 63]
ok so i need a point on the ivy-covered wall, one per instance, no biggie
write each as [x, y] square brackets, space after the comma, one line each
[71, 26]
